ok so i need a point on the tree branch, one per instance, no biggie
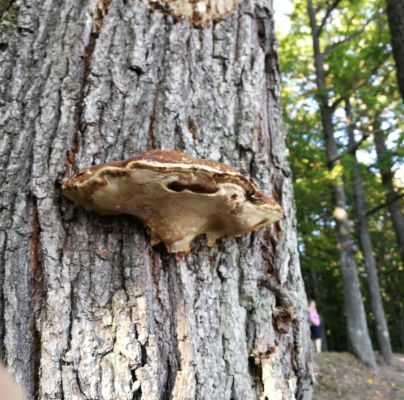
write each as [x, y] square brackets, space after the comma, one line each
[312, 15]
[385, 204]
[335, 104]
[354, 34]
[358, 85]
[351, 149]
[327, 14]
[366, 132]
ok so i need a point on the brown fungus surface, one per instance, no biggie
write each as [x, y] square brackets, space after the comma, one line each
[177, 196]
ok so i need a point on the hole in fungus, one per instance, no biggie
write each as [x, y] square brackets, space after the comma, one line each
[195, 188]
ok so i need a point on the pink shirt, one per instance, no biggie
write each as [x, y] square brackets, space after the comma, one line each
[314, 317]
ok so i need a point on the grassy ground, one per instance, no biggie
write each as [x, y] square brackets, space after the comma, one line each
[341, 377]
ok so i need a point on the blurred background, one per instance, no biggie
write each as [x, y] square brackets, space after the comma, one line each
[360, 89]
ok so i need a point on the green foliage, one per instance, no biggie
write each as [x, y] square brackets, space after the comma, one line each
[357, 54]
[8, 21]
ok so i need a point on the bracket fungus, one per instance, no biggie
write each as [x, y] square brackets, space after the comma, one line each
[176, 196]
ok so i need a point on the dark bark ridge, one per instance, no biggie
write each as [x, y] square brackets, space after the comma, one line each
[86, 82]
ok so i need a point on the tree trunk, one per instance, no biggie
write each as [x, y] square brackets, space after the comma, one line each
[355, 312]
[91, 310]
[401, 326]
[395, 14]
[382, 331]
[392, 199]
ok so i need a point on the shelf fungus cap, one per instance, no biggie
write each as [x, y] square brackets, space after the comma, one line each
[176, 196]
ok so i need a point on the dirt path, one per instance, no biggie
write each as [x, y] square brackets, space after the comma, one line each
[340, 376]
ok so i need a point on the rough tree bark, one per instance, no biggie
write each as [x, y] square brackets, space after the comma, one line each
[393, 201]
[358, 332]
[89, 309]
[382, 330]
[395, 15]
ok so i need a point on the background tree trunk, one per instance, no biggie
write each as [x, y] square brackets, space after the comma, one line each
[89, 309]
[395, 14]
[382, 330]
[358, 332]
[392, 199]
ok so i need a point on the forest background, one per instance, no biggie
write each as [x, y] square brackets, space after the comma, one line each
[362, 91]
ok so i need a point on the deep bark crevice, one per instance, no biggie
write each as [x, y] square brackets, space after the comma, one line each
[255, 369]
[79, 385]
[170, 381]
[37, 293]
[152, 116]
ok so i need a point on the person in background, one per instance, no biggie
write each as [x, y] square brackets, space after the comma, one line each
[315, 326]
